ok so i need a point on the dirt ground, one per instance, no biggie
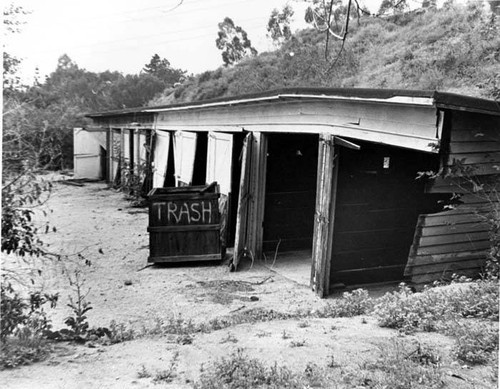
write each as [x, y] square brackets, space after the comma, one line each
[95, 224]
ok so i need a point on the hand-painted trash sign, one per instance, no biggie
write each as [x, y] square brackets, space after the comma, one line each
[184, 224]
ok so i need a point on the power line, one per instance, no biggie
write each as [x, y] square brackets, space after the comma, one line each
[148, 37]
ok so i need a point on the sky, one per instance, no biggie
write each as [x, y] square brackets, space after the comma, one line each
[123, 35]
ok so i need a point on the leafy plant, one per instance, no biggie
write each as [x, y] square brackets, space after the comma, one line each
[406, 366]
[168, 374]
[475, 341]
[78, 321]
[238, 371]
[132, 182]
[24, 324]
[22, 192]
[357, 302]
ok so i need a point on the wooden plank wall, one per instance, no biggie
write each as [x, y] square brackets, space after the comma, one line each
[474, 139]
[453, 241]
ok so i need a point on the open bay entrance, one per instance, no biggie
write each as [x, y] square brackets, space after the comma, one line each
[290, 199]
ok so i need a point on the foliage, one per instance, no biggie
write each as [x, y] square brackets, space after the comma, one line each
[38, 120]
[393, 6]
[133, 182]
[354, 303]
[475, 341]
[233, 41]
[80, 306]
[427, 311]
[13, 19]
[23, 325]
[240, 371]
[278, 25]
[21, 194]
[162, 69]
[452, 49]
[407, 366]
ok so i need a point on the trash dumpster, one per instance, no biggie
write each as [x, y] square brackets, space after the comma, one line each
[184, 224]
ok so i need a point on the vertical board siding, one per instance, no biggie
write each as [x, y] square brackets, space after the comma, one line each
[454, 241]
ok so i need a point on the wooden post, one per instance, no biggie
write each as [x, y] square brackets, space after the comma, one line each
[243, 199]
[122, 156]
[109, 150]
[326, 189]
[257, 190]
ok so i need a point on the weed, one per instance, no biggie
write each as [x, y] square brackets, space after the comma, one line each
[78, 322]
[23, 351]
[297, 343]
[475, 341]
[354, 303]
[238, 371]
[332, 363]
[303, 324]
[168, 374]
[403, 369]
[409, 312]
[120, 333]
[230, 338]
[184, 339]
[285, 335]
[143, 373]
[23, 327]
[262, 334]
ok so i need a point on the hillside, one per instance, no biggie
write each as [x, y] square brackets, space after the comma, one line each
[453, 49]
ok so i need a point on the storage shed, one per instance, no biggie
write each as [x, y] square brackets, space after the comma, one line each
[332, 174]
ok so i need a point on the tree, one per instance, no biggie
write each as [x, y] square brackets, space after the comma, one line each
[394, 6]
[12, 20]
[234, 42]
[278, 26]
[162, 69]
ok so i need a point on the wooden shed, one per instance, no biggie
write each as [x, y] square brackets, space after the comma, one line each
[331, 172]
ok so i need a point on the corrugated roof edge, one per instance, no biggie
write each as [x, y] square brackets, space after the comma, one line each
[444, 99]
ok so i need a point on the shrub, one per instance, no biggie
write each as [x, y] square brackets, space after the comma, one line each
[475, 341]
[406, 366]
[238, 371]
[354, 303]
[23, 326]
[408, 311]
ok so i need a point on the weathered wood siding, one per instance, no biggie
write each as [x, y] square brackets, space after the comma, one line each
[399, 125]
[453, 241]
[474, 139]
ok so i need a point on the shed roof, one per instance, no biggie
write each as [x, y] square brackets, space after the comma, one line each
[393, 96]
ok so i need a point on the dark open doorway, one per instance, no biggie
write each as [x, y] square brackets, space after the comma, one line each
[290, 200]
[377, 205]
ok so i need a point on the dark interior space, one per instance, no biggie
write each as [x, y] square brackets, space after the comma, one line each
[292, 162]
[131, 151]
[200, 159]
[377, 206]
[235, 186]
[170, 174]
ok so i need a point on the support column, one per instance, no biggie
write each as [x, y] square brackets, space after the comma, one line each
[326, 189]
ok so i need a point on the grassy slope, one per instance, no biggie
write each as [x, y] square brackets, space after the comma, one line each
[455, 49]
